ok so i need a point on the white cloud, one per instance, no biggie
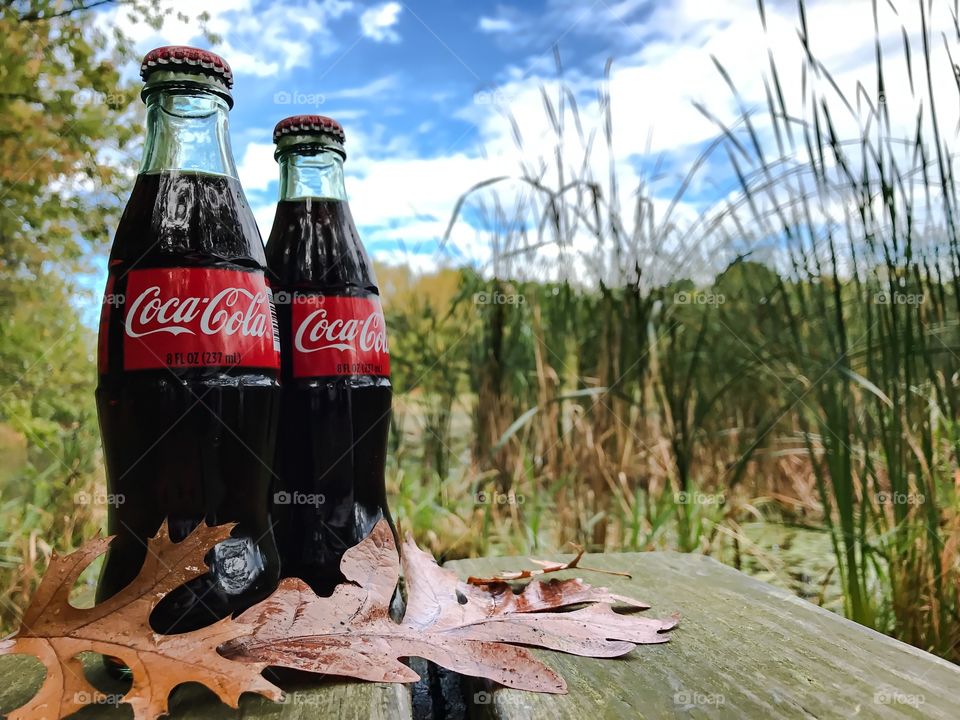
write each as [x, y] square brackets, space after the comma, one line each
[259, 41]
[496, 25]
[377, 22]
[372, 89]
[399, 195]
[396, 188]
[263, 214]
[257, 168]
[653, 89]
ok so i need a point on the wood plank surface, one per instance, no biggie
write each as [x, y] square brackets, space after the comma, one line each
[744, 649]
[20, 677]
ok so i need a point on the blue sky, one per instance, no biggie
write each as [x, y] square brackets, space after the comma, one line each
[423, 89]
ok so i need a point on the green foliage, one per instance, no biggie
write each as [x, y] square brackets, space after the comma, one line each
[68, 141]
[819, 383]
[634, 408]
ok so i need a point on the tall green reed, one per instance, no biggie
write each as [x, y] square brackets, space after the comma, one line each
[870, 290]
[822, 374]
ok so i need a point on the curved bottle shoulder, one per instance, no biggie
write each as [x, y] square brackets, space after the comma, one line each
[314, 246]
[187, 218]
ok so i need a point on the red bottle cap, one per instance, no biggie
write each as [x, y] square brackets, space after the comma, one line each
[183, 58]
[307, 125]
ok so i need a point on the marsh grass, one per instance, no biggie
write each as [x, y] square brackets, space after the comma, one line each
[819, 387]
[614, 409]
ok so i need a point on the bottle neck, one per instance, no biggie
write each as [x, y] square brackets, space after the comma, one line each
[187, 131]
[311, 174]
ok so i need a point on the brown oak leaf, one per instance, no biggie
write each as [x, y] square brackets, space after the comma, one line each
[56, 632]
[546, 566]
[454, 624]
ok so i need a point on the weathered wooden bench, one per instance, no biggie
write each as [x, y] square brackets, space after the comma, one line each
[744, 649]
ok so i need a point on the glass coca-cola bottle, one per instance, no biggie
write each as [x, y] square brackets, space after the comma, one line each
[189, 393]
[335, 360]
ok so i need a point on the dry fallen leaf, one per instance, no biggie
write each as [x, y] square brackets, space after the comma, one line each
[56, 632]
[452, 623]
[469, 629]
[546, 566]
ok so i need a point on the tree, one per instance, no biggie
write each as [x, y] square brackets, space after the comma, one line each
[68, 143]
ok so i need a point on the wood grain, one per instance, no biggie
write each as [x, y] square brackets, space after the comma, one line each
[744, 649]
[20, 677]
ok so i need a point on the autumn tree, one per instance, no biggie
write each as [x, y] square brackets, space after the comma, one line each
[69, 142]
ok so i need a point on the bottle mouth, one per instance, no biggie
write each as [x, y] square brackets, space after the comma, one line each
[309, 144]
[186, 83]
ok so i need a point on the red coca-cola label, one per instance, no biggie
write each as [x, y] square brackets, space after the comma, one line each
[198, 317]
[339, 336]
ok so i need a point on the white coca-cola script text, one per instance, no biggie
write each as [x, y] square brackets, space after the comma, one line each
[231, 311]
[318, 332]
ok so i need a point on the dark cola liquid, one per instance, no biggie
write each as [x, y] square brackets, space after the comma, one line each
[333, 434]
[192, 444]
